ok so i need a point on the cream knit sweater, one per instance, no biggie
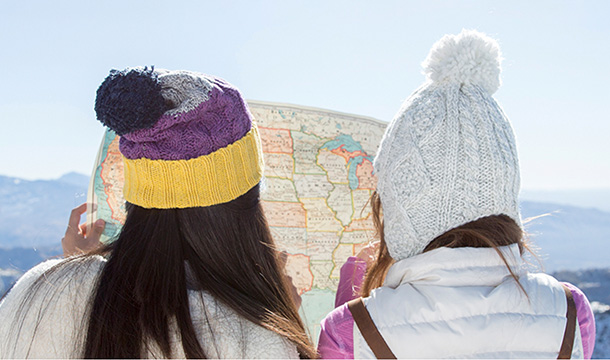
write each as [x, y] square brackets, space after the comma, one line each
[54, 321]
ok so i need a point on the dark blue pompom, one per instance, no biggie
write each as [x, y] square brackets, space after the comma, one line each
[130, 100]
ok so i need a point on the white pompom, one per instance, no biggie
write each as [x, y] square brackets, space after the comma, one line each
[470, 57]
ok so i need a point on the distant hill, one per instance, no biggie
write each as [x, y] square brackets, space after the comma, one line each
[76, 179]
[35, 213]
[585, 198]
[569, 238]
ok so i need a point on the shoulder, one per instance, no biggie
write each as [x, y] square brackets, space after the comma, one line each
[72, 276]
[34, 273]
[544, 287]
[53, 280]
[583, 307]
[233, 336]
[584, 313]
[52, 274]
[580, 299]
[586, 319]
[336, 334]
[46, 306]
[338, 318]
[541, 280]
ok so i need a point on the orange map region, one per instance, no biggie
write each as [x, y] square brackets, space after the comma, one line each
[285, 214]
[346, 154]
[364, 173]
[297, 267]
[112, 167]
[276, 140]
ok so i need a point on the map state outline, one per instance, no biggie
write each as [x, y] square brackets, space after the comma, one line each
[318, 179]
[330, 139]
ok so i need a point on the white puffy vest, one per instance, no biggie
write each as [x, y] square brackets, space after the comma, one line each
[463, 303]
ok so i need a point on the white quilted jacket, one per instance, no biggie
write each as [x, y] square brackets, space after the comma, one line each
[463, 303]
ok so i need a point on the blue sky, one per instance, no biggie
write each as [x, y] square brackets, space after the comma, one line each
[360, 57]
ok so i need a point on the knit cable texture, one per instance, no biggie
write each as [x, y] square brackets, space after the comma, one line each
[449, 156]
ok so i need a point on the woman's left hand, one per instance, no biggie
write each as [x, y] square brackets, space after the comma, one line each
[76, 241]
[369, 253]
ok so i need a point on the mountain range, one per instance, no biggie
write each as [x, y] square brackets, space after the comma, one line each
[570, 241]
[34, 214]
[583, 198]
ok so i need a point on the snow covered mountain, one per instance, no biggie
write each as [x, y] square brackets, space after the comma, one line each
[568, 237]
[585, 198]
[33, 218]
[573, 241]
[35, 213]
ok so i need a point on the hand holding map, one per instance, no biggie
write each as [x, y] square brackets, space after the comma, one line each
[369, 253]
[80, 239]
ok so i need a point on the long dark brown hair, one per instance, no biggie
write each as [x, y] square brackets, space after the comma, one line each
[143, 287]
[491, 231]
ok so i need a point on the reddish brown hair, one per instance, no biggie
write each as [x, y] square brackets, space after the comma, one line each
[490, 232]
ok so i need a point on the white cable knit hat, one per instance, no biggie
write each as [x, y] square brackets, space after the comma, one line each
[449, 156]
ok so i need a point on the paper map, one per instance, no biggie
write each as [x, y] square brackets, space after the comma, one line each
[318, 177]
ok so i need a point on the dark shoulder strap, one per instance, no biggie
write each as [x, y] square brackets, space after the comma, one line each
[568, 337]
[368, 330]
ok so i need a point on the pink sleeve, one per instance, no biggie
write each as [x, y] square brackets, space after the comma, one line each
[336, 336]
[586, 320]
[350, 280]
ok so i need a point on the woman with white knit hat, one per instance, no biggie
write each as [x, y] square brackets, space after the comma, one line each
[448, 278]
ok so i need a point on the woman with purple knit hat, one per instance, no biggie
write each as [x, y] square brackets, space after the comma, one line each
[193, 272]
[448, 279]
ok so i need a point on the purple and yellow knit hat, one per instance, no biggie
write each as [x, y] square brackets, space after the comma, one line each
[187, 139]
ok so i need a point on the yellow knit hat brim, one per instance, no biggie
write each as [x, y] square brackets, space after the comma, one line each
[216, 178]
